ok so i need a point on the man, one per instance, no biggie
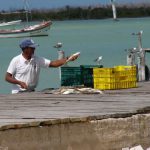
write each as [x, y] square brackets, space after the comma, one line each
[24, 69]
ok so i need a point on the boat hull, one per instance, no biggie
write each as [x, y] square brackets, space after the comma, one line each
[32, 31]
[10, 23]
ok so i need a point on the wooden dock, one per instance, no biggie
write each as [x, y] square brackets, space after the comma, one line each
[33, 110]
[38, 106]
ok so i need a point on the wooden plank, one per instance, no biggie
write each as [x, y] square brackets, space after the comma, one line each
[28, 107]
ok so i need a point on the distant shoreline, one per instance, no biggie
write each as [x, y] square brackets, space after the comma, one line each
[80, 13]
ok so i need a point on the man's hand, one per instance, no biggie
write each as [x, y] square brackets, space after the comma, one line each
[73, 57]
[23, 85]
[10, 79]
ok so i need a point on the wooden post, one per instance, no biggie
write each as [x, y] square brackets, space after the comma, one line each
[131, 56]
[141, 59]
[61, 54]
[130, 59]
[141, 66]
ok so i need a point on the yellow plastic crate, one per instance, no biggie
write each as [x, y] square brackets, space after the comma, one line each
[116, 78]
[128, 84]
[124, 85]
[119, 77]
[126, 78]
[117, 70]
[125, 68]
[116, 85]
[104, 80]
[104, 86]
[103, 72]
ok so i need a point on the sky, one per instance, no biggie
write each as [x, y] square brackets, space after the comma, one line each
[16, 4]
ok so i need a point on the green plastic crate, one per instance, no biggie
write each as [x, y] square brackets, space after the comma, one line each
[71, 76]
[87, 74]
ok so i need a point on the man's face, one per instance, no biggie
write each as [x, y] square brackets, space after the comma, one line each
[29, 52]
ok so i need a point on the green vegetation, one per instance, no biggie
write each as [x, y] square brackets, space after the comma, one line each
[72, 13]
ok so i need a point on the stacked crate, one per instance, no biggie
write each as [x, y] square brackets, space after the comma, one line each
[119, 77]
[71, 76]
[87, 74]
[127, 76]
[74, 76]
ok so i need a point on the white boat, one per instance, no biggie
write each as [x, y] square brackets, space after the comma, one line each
[3, 24]
[40, 29]
[30, 31]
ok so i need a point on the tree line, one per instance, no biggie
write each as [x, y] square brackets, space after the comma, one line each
[72, 13]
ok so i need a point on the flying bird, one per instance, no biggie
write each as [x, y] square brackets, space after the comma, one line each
[58, 45]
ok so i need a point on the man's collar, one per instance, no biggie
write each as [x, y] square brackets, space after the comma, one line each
[24, 60]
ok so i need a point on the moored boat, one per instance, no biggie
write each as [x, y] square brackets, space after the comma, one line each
[30, 31]
[3, 24]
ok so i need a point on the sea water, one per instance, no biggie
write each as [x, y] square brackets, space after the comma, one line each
[93, 38]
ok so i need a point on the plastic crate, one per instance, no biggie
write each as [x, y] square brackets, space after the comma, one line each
[105, 86]
[125, 68]
[115, 85]
[103, 72]
[71, 76]
[104, 80]
[87, 74]
[119, 77]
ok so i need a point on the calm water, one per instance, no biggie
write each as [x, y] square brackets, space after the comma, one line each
[91, 37]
